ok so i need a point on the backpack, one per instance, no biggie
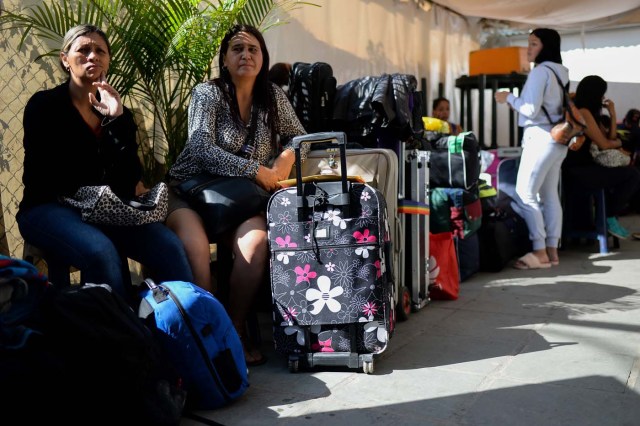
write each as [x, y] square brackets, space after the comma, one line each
[93, 362]
[312, 93]
[198, 336]
[22, 288]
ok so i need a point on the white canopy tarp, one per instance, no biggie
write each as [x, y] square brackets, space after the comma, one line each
[361, 38]
[559, 14]
[371, 37]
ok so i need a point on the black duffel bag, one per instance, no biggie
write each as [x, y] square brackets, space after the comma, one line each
[455, 161]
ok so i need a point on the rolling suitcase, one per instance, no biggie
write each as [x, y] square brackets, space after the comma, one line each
[379, 168]
[506, 186]
[331, 290]
[200, 341]
[414, 208]
[468, 254]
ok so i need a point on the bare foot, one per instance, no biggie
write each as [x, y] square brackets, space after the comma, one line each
[541, 255]
[252, 356]
[552, 254]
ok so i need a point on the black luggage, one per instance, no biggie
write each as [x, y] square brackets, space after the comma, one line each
[468, 253]
[312, 91]
[89, 360]
[333, 301]
[455, 161]
[504, 234]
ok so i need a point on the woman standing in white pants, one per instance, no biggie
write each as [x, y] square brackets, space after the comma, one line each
[539, 172]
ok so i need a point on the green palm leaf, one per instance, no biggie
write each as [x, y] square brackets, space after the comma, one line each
[160, 50]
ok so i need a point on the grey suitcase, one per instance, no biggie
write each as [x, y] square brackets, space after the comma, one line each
[379, 168]
[414, 208]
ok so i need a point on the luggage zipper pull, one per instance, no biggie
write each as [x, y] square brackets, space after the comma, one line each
[150, 283]
[332, 161]
[160, 294]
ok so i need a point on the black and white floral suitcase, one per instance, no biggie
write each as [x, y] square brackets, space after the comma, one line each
[333, 301]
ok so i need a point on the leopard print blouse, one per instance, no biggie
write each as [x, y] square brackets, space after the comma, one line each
[214, 137]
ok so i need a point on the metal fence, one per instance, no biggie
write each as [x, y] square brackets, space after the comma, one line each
[20, 77]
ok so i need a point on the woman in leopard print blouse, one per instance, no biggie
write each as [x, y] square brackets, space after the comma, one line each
[219, 117]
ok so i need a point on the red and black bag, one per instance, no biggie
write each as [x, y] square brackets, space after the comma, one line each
[444, 276]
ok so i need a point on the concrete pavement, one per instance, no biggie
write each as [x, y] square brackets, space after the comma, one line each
[559, 346]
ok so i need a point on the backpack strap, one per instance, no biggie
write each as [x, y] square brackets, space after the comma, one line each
[566, 102]
[565, 97]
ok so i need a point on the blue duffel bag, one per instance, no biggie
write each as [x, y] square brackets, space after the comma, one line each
[200, 340]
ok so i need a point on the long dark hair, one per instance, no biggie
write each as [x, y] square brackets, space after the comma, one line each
[628, 118]
[263, 96]
[550, 45]
[589, 95]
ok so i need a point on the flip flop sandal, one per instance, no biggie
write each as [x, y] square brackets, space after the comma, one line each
[530, 261]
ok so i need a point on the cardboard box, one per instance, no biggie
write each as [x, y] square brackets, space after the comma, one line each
[500, 60]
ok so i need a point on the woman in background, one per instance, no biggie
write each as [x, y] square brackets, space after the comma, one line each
[539, 172]
[441, 110]
[580, 170]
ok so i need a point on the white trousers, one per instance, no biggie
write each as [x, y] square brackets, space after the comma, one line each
[537, 187]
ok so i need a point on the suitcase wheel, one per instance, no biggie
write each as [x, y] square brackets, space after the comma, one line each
[294, 365]
[404, 304]
[367, 367]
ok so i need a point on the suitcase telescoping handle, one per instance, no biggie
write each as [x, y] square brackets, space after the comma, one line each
[338, 138]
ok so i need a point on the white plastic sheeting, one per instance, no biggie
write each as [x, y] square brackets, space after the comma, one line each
[372, 37]
[559, 14]
[361, 38]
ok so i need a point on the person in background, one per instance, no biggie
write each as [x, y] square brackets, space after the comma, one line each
[79, 134]
[630, 121]
[629, 134]
[620, 183]
[539, 172]
[279, 74]
[219, 113]
[441, 109]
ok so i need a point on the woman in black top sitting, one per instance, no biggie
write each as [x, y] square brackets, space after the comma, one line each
[79, 134]
[580, 170]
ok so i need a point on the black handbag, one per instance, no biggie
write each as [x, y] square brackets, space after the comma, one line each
[224, 202]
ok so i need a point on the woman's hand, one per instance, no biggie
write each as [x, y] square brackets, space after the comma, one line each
[268, 179]
[283, 164]
[501, 97]
[610, 106]
[110, 104]
[141, 189]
